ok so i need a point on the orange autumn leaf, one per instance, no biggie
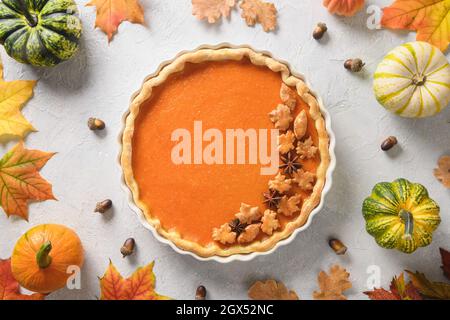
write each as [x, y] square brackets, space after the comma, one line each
[9, 287]
[212, 10]
[430, 18]
[111, 13]
[139, 286]
[20, 180]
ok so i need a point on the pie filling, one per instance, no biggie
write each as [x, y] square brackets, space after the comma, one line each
[224, 204]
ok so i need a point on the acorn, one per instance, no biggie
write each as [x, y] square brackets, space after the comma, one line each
[200, 294]
[338, 247]
[103, 206]
[320, 31]
[354, 65]
[128, 247]
[389, 143]
[96, 124]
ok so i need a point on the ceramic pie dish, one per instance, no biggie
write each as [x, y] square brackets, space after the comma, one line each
[226, 154]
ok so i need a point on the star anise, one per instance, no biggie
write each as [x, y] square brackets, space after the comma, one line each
[237, 227]
[290, 164]
[271, 198]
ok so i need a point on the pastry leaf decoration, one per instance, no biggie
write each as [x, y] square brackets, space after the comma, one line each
[430, 18]
[398, 290]
[9, 287]
[13, 96]
[111, 13]
[20, 180]
[139, 286]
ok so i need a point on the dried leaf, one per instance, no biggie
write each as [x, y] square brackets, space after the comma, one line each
[399, 290]
[111, 13]
[430, 18]
[9, 287]
[445, 256]
[381, 294]
[20, 180]
[248, 214]
[333, 284]
[13, 96]
[254, 11]
[433, 290]
[140, 286]
[442, 172]
[213, 10]
[271, 290]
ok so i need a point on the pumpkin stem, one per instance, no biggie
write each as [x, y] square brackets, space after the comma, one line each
[419, 80]
[32, 21]
[408, 220]
[42, 256]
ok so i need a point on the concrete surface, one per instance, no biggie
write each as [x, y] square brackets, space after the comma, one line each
[100, 81]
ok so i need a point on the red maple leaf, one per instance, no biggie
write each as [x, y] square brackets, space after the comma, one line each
[399, 290]
[445, 255]
[9, 287]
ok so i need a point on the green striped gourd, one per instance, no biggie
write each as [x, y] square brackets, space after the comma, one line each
[413, 80]
[39, 32]
[401, 215]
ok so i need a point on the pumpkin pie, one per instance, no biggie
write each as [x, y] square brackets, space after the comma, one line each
[220, 206]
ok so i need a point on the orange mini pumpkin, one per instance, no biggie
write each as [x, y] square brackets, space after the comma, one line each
[42, 256]
[346, 8]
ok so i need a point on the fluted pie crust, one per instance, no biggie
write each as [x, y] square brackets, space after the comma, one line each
[225, 54]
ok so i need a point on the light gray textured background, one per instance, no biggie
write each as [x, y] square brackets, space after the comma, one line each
[100, 81]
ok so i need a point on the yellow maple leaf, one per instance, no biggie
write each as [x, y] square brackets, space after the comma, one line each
[20, 180]
[139, 286]
[13, 96]
[111, 13]
[435, 28]
[430, 18]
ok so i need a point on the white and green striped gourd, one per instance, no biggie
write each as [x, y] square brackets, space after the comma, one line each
[413, 80]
